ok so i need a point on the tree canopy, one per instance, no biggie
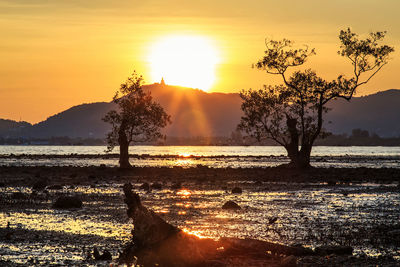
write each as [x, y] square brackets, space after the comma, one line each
[292, 113]
[137, 119]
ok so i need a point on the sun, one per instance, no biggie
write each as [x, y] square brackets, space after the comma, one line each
[184, 60]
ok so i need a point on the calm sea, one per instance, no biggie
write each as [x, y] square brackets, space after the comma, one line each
[211, 156]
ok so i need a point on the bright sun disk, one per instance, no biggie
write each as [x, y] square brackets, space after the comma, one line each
[188, 61]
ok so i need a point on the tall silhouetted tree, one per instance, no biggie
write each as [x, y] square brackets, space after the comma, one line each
[137, 119]
[292, 113]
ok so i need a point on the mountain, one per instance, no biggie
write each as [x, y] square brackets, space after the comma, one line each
[196, 113]
[79, 121]
[378, 113]
[13, 128]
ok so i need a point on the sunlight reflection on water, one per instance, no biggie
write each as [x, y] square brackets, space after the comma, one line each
[210, 156]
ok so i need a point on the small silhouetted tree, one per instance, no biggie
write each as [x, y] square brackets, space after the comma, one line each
[137, 119]
[292, 113]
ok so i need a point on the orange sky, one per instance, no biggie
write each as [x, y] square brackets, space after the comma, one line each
[56, 54]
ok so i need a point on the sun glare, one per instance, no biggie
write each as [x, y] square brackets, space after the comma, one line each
[188, 61]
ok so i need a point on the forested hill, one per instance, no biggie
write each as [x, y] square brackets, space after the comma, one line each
[197, 113]
[10, 127]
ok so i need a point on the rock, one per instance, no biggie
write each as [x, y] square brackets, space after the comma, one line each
[55, 187]
[145, 187]
[236, 190]
[106, 256]
[156, 186]
[336, 250]
[67, 202]
[289, 261]
[331, 183]
[91, 177]
[272, 220]
[176, 186]
[18, 195]
[39, 185]
[230, 205]
[258, 183]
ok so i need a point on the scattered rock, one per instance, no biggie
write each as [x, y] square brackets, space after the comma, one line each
[230, 205]
[39, 185]
[289, 261]
[236, 190]
[156, 186]
[176, 186]
[67, 202]
[336, 250]
[272, 220]
[19, 195]
[145, 187]
[258, 183]
[55, 187]
[106, 256]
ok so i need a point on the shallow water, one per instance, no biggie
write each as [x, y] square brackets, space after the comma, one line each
[310, 214]
[203, 150]
[192, 156]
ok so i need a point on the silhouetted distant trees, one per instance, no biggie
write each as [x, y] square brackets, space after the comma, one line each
[292, 113]
[138, 118]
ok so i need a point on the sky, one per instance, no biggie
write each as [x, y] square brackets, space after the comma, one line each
[55, 54]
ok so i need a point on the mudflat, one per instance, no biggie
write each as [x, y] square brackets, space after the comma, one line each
[354, 207]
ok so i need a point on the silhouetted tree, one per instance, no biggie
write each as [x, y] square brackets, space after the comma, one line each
[138, 118]
[292, 113]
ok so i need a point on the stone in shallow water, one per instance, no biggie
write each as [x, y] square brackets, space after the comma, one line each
[236, 190]
[68, 202]
[145, 187]
[230, 205]
[156, 186]
[55, 187]
[40, 185]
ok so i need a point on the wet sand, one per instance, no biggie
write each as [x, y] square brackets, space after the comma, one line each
[355, 206]
[192, 161]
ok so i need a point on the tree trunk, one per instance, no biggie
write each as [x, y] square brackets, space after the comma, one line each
[298, 159]
[123, 148]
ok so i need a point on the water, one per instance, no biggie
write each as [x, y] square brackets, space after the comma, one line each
[359, 215]
[202, 150]
[191, 156]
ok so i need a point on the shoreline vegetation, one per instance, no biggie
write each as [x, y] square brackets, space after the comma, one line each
[358, 137]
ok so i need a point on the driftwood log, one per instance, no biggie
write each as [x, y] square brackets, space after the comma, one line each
[158, 243]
